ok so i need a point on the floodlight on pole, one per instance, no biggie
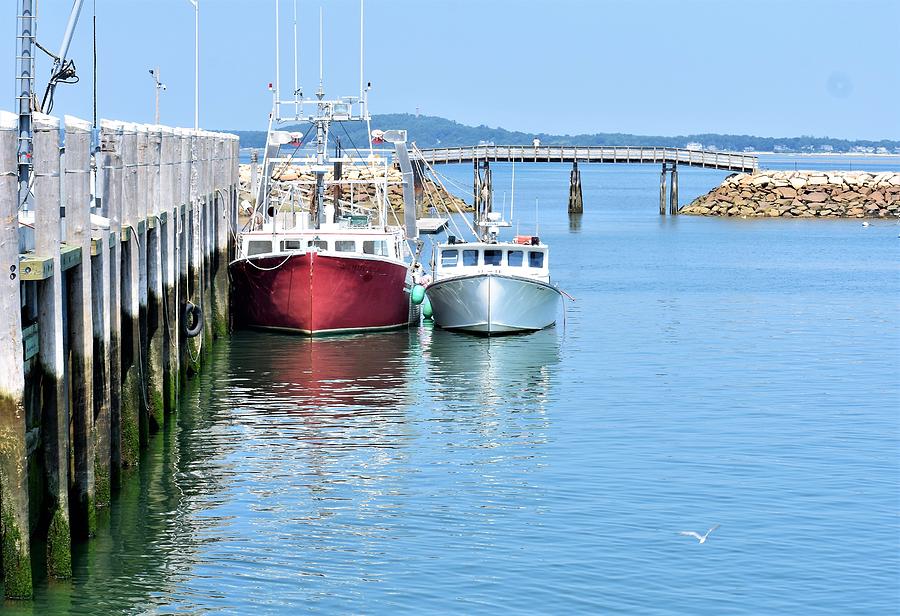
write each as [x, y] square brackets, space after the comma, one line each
[159, 86]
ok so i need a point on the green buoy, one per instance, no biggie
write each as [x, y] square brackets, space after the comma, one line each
[427, 312]
[417, 294]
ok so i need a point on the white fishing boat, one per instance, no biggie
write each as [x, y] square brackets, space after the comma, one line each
[492, 287]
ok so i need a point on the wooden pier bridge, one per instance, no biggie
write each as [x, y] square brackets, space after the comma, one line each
[481, 156]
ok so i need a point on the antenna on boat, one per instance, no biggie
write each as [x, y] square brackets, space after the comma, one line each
[296, 67]
[512, 197]
[537, 225]
[361, 15]
[277, 64]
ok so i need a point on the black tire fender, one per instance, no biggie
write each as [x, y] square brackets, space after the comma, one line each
[193, 320]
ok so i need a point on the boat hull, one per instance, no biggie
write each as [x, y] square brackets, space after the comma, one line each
[312, 293]
[492, 304]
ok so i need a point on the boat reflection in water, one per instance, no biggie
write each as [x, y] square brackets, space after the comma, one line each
[515, 372]
[294, 374]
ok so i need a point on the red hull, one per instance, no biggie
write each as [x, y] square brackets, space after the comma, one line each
[311, 293]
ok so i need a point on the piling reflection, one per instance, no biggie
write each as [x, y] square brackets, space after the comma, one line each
[575, 222]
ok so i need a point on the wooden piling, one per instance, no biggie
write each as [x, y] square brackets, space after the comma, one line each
[169, 245]
[662, 191]
[673, 195]
[195, 284]
[221, 200]
[185, 247]
[143, 200]
[54, 409]
[132, 393]
[111, 144]
[14, 494]
[80, 322]
[155, 325]
[576, 203]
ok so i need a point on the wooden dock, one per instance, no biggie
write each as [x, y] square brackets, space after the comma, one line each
[94, 344]
[481, 156]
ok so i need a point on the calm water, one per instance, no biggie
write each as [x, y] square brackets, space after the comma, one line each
[734, 372]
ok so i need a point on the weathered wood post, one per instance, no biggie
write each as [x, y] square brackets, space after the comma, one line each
[476, 190]
[169, 226]
[155, 325]
[185, 247]
[487, 189]
[576, 203]
[195, 295]
[101, 325]
[14, 523]
[54, 410]
[673, 195]
[80, 321]
[662, 191]
[206, 220]
[132, 394]
[143, 201]
[111, 144]
[220, 214]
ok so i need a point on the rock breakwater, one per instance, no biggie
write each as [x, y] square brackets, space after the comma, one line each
[302, 179]
[802, 194]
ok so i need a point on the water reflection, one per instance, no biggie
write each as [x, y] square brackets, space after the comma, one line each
[575, 222]
[507, 371]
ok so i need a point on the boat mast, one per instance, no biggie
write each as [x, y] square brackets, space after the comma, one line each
[296, 67]
[277, 64]
[321, 121]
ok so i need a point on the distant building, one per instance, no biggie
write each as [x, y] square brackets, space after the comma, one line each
[881, 150]
[780, 148]
[826, 148]
[693, 145]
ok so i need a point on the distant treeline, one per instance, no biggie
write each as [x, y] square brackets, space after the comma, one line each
[432, 131]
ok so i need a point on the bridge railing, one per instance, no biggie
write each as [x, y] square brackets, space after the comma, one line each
[606, 154]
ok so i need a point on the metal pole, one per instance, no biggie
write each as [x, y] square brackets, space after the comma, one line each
[196, 4]
[156, 75]
[24, 95]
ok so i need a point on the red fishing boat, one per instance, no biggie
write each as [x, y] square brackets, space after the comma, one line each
[323, 251]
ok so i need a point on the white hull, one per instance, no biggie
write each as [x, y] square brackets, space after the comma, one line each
[493, 303]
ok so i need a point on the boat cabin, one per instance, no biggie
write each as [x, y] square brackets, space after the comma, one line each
[512, 259]
[361, 242]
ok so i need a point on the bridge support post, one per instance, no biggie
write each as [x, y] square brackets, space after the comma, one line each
[476, 189]
[673, 195]
[662, 191]
[576, 203]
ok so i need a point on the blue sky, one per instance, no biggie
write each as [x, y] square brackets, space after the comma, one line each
[766, 67]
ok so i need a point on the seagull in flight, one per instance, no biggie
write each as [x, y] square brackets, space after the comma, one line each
[698, 536]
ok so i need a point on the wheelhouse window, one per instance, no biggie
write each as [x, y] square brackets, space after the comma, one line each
[258, 247]
[514, 258]
[320, 244]
[535, 258]
[449, 258]
[345, 246]
[493, 257]
[375, 247]
[290, 245]
[470, 257]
